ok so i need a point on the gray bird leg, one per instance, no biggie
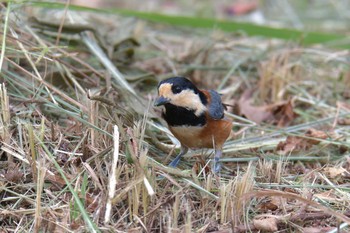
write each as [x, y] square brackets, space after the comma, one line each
[217, 164]
[176, 161]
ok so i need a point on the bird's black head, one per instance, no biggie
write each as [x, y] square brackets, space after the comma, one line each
[181, 92]
[179, 84]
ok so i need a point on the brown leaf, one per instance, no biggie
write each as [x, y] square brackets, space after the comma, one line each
[222, 231]
[297, 143]
[76, 224]
[272, 203]
[314, 133]
[267, 206]
[13, 174]
[327, 196]
[293, 143]
[343, 105]
[266, 224]
[134, 230]
[346, 106]
[277, 201]
[344, 121]
[283, 113]
[55, 179]
[334, 172]
[316, 229]
[280, 114]
[92, 202]
[254, 113]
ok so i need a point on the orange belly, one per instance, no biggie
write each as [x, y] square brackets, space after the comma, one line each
[212, 135]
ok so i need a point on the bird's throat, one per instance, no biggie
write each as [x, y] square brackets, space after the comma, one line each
[180, 116]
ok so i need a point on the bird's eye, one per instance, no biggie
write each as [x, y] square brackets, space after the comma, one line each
[176, 89]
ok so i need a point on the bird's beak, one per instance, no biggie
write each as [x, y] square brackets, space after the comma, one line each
[161, 101]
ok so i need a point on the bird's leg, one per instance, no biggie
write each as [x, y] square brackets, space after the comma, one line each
[176, 161]
[217, 164]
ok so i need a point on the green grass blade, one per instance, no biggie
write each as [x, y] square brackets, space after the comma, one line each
[3, 45]
[303, 37]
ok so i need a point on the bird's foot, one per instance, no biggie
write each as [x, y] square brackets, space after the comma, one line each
[217, 164]
[175, 162]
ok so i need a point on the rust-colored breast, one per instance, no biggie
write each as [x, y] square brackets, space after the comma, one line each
[212, 135]
[216, 132]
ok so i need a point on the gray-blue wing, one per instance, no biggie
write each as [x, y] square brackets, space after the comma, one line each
[215, 108]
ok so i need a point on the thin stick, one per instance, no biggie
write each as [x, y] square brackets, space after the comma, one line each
[41, 171]
[3, 46]
[112, 179]
[62, 23]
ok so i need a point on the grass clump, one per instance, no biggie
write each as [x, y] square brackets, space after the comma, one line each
[83, 150]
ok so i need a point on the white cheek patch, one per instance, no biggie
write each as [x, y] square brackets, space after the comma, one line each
[186, 99]
[189, 100]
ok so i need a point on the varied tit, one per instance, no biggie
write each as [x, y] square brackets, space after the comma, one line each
[195, 117]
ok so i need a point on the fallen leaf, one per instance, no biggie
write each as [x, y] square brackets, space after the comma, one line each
[314, 133]
[316, 229]
[283, 113]
[272, 203]
[334, 172]
[76, 224]
[92, 202]
[55, 179]
[278, 201]
[266, 224]
[325, 194]
[13, 174]
[344, 121]
[329, 196]
[297, 143]
[136, 229]
[280, 114]
[293, 143]
[267, 206]
[254, 113]
[343, 105]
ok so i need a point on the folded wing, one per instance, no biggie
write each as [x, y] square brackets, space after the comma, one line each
[215, 107]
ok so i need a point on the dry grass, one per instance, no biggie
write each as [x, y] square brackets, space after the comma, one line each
[82, 148]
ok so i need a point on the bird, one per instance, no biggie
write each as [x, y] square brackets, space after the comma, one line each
[194, 116]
